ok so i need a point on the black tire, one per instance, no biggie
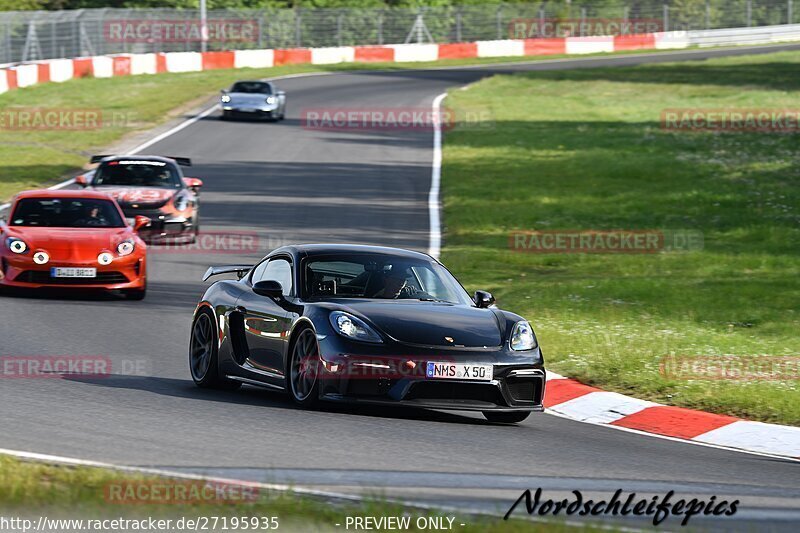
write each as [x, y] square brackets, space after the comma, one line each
[302, 372]
[513, 417]
[203, 360]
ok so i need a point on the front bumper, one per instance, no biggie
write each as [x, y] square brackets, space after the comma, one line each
[164, 227]
[244, 112]
[123, 273]
[354, 375]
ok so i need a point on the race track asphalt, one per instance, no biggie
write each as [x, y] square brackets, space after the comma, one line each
[292, 184]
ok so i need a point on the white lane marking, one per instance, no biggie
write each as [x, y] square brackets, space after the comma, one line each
[434, 208]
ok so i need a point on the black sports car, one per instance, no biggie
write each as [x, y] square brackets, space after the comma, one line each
[365, 324]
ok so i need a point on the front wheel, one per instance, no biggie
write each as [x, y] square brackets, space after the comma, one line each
[203, 353]
[512, 417]
[303, 371]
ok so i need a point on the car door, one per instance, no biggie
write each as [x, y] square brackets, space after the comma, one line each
[266, 324]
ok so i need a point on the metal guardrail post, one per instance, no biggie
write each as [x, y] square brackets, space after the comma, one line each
[339, 29]
[458, 25]
[708, 14]
[789, 13]
[380, 27]
[666, 17]
[298, 37]
[749, 13]
[583, 21]
[499, 18]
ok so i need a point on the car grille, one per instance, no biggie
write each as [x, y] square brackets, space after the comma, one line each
[440, 390]
[43, 277]
[525, 389]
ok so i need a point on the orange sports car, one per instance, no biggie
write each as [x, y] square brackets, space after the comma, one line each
[72, 239]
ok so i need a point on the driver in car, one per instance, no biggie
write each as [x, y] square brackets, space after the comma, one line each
[93, 217]
[395, 284]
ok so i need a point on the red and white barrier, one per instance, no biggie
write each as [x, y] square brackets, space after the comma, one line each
[60, 70]
[575, 400]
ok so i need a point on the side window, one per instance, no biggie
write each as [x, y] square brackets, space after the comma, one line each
[279, 270]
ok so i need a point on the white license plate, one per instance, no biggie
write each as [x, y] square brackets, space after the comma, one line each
[131, 221]
[469, 372]
[59, 272]
[247, 110]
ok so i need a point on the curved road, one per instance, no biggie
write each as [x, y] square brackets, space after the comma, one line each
[297, 185]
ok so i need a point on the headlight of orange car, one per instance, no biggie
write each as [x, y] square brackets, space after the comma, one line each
[126, 248]
[16, 245]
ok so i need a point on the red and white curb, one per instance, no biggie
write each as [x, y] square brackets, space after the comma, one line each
[572, 399]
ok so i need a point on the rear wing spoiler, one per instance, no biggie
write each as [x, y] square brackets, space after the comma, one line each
[182, 161]
[239, 270]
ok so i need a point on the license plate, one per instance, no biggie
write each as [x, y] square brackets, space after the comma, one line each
[131, 221]
[248, 110]
[469, 372]
[59, 272]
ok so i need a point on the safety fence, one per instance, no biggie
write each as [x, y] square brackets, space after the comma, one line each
[37, 35]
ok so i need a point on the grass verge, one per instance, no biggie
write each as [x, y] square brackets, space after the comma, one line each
[31, 490]
[584, 150]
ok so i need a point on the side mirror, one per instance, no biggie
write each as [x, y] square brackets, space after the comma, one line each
[193, 183]
[269, 288]
[140, 222]
[483, 299]
[81, 181]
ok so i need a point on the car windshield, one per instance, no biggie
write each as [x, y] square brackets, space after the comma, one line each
[137, 174]
[66, 213]
[380, 276]
[251, 87]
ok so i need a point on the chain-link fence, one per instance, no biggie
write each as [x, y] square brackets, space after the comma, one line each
[28, 36]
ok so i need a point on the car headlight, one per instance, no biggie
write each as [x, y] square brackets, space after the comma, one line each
[522, 337]
[272, 100]
[125, 248]
[41, 258]
[353, 328]
[105, 258]
[17, 246]
[181, 202]
[225, 98]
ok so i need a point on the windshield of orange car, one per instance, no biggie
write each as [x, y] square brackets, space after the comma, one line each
[135, 173]
[66, 213]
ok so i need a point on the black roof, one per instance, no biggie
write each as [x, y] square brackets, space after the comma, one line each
[325, 249]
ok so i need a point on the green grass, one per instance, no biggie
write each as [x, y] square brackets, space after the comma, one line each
[32, 489]
[30, 159]
[584, 150]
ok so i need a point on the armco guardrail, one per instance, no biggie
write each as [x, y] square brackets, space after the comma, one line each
[59, 70]
[760, 35]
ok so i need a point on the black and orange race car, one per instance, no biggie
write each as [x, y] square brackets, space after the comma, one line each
[75, 239]
[150, 186]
